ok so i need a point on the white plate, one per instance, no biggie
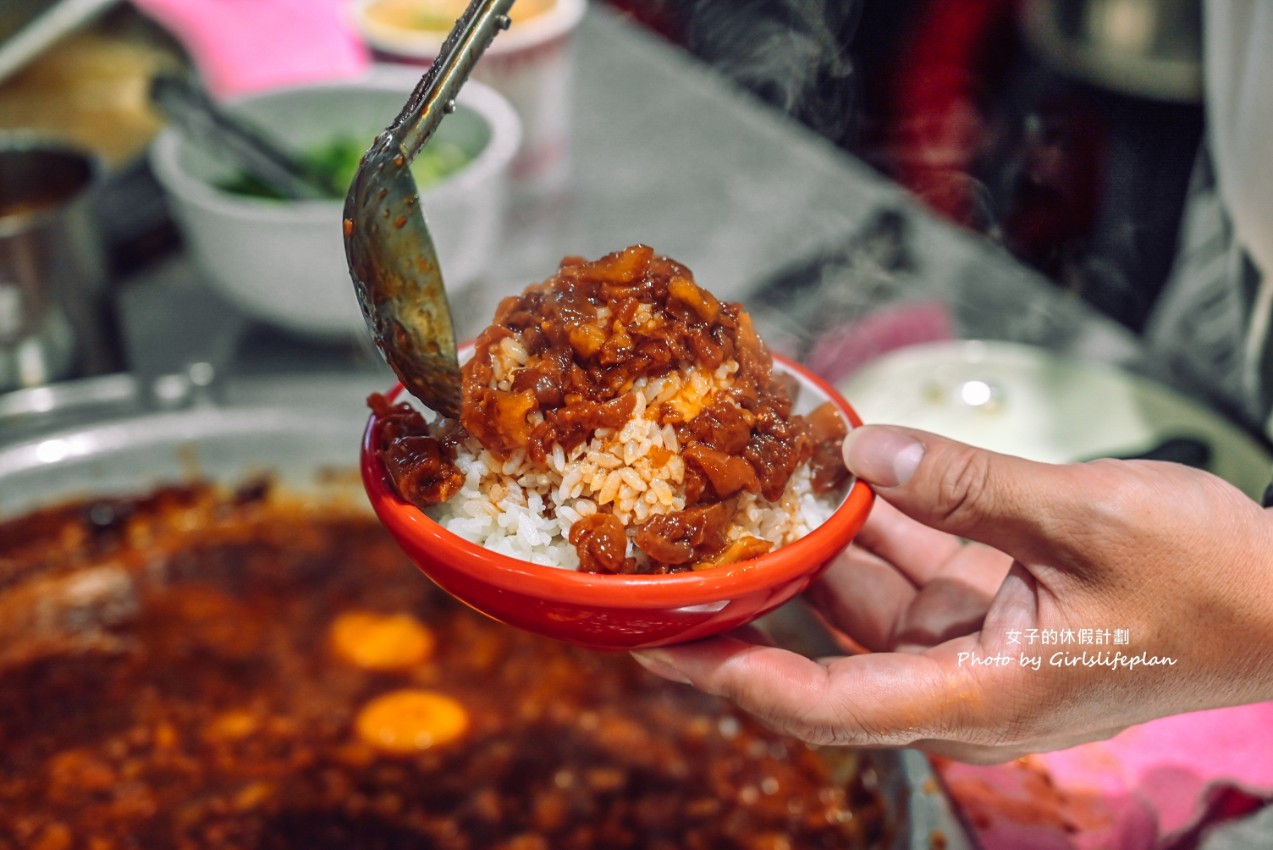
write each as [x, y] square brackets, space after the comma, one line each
[1025, 401]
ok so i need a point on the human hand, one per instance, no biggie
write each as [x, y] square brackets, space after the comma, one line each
[1172, 561]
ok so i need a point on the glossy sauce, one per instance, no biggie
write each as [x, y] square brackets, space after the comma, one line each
[589, 334]
[246, 671]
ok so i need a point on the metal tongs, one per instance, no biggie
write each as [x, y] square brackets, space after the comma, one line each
[391, 257]
[182, 100]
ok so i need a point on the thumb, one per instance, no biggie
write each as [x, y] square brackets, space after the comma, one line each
[1013, 504]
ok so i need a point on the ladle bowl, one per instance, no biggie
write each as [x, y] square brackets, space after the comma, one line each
[392, 259]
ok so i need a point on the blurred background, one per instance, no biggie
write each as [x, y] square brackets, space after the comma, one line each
[866, 176]
[1059, 135]
[1066, 131]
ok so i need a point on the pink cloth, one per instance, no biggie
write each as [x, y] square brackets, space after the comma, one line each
[244, 46]
[1153, 787]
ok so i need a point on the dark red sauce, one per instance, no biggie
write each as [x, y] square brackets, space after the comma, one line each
[590, 332]
[177, 687]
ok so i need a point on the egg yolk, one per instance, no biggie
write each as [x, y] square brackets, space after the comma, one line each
[408, 721]
[381, 641]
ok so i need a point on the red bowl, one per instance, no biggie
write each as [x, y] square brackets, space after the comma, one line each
[618, 612]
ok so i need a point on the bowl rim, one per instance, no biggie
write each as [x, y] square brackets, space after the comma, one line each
[544, 28]
[696, 587]
[496, 155]
[18, 142]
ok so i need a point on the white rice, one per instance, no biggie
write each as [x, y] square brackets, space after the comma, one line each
[635, 472]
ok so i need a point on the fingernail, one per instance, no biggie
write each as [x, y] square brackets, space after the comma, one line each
[659, 664]
[881, 455]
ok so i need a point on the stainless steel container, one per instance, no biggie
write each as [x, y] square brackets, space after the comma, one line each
[56, 318]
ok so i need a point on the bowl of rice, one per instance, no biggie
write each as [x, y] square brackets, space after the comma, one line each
[631, 466]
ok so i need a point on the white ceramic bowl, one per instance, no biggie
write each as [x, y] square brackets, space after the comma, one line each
[284, 262]
[534, 25]
[531, 64]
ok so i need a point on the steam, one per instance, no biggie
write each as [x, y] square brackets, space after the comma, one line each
[792, 53]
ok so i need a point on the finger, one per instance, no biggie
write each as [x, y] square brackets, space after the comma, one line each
[1022, 507]
[915, 549]
[878, 607]
[879, 699]
[955, 600]
[863, 597]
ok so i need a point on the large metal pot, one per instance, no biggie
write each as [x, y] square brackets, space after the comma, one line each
[115, 436]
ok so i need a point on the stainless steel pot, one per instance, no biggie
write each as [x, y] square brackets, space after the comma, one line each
[115, 436]
[55, 311]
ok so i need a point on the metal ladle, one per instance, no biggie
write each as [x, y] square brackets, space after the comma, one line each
[391, 256]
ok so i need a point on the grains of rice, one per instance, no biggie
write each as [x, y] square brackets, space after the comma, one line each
[526, 511]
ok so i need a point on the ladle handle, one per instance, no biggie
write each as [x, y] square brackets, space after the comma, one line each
[434, 96]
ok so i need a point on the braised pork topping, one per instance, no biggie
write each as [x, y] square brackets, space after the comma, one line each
[561, 361]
